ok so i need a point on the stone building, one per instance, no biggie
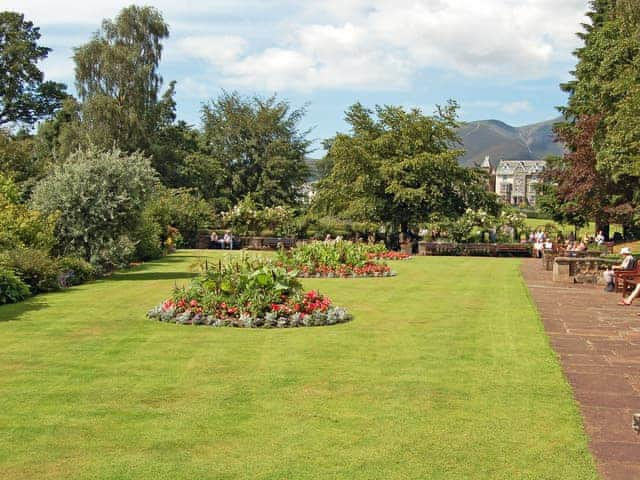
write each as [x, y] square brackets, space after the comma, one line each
[516, 179]
[491, 173]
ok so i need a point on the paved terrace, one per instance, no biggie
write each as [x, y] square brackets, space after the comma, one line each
[598, 343]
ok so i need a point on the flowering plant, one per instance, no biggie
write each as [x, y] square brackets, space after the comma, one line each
[334, 259]
[247, 293]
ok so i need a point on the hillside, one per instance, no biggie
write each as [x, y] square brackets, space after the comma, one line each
[499, 140]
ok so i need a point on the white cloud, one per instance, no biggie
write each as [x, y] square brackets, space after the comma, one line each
[516, 107]
[383, 44]
[74, 12]
[217, 50]
[60, 69]
[356, 44]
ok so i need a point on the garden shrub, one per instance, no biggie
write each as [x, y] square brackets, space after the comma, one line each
[149, 238]
[247, 292]
[110, 254]
[100, 197]
[20, 226]
[12, 288]
[75, 271]
[35, 267]
[182, 210]
[246, 218]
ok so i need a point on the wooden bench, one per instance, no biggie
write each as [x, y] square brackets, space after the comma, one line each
[437, 248]
[620, 276]
[629, 283]
[278, 242]
[516, 249]
[479, 249]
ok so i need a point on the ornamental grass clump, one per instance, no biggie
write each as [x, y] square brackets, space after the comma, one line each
[333, 259]
[248, 292]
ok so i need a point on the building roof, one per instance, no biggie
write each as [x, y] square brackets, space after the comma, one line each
[508, 167]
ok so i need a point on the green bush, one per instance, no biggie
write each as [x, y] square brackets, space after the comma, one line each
[37, 269]
[100, 197]
[12, 288]
[75, 271]
[20, 226]
[180, 209]
[111, 254]
[148, 237]
[247, 218]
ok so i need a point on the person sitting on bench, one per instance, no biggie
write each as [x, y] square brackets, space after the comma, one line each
[214, 242]
[628, 263]
[227, 240]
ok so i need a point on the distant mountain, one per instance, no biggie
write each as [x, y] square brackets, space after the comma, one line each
[313, 171]
[502, 141]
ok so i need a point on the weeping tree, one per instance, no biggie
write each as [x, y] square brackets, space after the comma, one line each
[118, 82]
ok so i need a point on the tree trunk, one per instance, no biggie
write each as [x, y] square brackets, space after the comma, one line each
[604, 226]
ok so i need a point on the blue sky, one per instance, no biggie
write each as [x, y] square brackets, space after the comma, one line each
[499, 59]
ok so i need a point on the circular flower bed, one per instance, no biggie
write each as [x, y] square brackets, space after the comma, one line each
[249, 293]
[339, 259]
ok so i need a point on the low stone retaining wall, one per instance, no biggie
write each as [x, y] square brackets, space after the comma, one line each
[475, 249]
[580, 270]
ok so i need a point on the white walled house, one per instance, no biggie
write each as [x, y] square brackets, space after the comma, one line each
[516, 180]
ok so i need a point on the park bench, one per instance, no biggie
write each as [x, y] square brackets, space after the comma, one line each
[437, 248]
[514, 250]
[621, 276]
[629, 283]
[278, 242]
[479, 249]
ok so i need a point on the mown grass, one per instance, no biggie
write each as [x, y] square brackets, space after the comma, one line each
[589, 229]
[445, 373]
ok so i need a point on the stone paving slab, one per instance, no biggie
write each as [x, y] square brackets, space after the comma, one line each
[598, 344]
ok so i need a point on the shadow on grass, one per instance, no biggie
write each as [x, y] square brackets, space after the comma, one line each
[15, 311]
[138, 275]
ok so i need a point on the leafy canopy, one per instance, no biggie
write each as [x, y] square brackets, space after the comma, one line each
[600, 176]
[398, 167]
[24, 95]
[254, 146]
[118, 82]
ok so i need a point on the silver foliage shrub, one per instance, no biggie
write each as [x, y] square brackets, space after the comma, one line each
[99, 197]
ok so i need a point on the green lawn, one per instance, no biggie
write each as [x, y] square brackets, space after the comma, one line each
[589, 229]
[445, 373]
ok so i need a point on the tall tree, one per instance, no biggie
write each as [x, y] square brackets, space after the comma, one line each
[24, 95]
[257, 143]
[118, 82]
[400, 168]
[603, 107]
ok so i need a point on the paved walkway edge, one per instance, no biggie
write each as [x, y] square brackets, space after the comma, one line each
[598, 345]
